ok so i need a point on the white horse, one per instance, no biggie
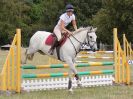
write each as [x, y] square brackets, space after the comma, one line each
[68, 50]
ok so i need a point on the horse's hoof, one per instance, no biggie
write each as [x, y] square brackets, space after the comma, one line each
[23, 62]
[71, 91]
[79, 84]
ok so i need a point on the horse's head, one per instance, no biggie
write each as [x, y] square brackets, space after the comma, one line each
[86, 35]
[91, 38]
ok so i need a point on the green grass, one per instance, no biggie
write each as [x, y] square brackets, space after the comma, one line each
[107, 92]
[110, 92]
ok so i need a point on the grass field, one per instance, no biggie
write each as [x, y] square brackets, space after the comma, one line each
[106, 92]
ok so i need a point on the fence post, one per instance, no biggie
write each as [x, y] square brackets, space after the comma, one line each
[115, 54]
[18, 31]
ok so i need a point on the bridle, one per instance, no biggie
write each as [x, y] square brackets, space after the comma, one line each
[81, 42]
[89, 38]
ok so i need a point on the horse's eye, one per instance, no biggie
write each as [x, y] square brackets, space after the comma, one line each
[90, 36]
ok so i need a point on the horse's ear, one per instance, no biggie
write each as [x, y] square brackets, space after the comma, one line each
[95, 29]
[91, 28]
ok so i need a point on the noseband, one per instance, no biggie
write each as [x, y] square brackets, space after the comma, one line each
[81, 42]
[89, 39]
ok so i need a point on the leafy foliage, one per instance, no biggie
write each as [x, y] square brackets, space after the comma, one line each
[115, 13]
[34, 15]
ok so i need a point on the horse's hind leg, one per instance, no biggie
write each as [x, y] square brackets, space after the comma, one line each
[42, 53]
[24, 60]
[29, 54]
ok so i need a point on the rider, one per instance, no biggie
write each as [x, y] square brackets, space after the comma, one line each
[64, 20]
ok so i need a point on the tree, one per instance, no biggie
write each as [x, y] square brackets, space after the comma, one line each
[115, 13]
[13, 14]
[85, 9]
[34, 15]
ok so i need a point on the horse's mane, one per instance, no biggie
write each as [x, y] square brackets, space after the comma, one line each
[80, 29]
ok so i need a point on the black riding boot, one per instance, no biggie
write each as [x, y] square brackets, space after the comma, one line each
[55, 43]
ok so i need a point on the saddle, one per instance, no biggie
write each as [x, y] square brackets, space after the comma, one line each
[54, 43]
[52, 37]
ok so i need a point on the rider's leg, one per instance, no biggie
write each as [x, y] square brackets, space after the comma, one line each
[55, 42]
[53, 46]
[57, 32]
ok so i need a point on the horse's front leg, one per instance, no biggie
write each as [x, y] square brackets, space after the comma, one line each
[78, 80]
[71, 72]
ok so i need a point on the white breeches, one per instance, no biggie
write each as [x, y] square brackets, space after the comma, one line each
[57, 32]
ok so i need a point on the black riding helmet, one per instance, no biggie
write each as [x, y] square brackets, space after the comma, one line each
[69, 7]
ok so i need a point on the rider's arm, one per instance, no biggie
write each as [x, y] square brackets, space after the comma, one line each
[63, 27]
[74, 25]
